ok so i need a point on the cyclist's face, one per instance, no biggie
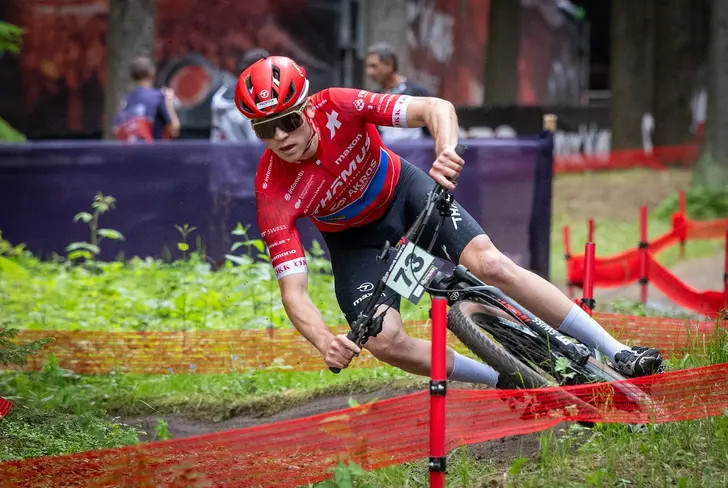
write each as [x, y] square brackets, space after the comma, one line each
[290, 145]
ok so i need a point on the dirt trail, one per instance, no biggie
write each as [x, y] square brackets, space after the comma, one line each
[180, 425]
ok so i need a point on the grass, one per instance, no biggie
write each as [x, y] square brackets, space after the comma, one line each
[207, 396]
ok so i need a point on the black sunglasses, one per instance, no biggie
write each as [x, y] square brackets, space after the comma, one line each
[266, 129]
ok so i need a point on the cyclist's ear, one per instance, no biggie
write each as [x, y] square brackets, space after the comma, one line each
[310, 112]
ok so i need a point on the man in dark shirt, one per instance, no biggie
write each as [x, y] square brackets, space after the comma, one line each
[147, 113]
[381, 66]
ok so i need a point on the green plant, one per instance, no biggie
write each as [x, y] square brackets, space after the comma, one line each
[344, 476]
[17, 354]
[11, 40]
[184, 231]
[162, 430]
[701, 203]
[251, 244]
[89, 250]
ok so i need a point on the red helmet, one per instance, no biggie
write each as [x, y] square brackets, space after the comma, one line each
[270, 86]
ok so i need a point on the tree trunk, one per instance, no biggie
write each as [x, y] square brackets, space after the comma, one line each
[678, 55]
[712, 167]
[504, 41]
[631, 70]
[131, 33]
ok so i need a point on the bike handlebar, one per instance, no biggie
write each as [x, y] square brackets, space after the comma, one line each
[460, 150]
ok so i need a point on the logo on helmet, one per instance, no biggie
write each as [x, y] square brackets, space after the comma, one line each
[263, 93]
[267, 103]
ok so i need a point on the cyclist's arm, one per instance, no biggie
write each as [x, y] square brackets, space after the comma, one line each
[302, 311]
[278, 229]
[170, 120]
[438, 116]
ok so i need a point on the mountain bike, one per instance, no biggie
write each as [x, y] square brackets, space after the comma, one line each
[526, 351]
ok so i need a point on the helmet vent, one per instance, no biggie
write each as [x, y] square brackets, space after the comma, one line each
[291, 92]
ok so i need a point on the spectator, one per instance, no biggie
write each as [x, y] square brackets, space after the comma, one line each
[228, 124]
[381, 66]
[147, 113]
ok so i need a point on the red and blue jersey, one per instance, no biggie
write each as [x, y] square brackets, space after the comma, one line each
[349, 182]
[142, 116]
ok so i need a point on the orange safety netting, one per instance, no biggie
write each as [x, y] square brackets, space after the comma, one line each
[385, 433]
[624, 268]
[93, 352]
[659, 158]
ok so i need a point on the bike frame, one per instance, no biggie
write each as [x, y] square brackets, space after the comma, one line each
[459, 285]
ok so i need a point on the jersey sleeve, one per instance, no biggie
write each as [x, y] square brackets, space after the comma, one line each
[383, 109]
[277, 226]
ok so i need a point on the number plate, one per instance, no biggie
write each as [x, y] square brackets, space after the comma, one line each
[412, 270]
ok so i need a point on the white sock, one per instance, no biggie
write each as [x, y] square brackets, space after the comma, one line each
[470, 371]
[582, 327]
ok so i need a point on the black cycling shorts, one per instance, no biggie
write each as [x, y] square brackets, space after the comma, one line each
[354, 251]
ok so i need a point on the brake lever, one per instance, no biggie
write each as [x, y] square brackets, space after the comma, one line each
[360, 334]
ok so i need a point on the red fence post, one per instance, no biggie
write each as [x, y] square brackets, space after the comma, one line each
[438, 392]
[725, 277]
[587, 301]
[682, 220]
[643, 253]
[567, 258]
[590, 232]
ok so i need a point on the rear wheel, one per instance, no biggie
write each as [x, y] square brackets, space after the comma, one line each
[515, 350]
[514, 373]
[462, 321]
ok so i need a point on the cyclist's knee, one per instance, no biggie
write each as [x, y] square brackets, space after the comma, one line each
[487, 262]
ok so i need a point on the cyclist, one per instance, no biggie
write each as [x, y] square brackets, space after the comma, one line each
[325, 160]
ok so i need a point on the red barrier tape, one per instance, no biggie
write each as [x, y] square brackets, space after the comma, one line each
[626, 267]
[385, 433]
[5, 407]
[658, 159]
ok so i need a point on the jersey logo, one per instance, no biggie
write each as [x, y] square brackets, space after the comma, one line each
[332, 122]
[359, 104]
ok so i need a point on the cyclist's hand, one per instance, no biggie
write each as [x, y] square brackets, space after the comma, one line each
[340, 352]
[447, 167]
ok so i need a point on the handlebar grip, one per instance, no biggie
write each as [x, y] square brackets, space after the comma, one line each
[461, 149]
[352, 337]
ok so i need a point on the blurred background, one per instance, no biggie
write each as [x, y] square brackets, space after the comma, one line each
[471, 52]
[633, 64]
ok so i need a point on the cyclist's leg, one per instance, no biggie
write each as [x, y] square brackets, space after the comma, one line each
[356, 272]
[463, 241]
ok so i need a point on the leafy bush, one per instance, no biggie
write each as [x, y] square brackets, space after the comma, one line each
[702, 203]
[17, 354]
[11, 39]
